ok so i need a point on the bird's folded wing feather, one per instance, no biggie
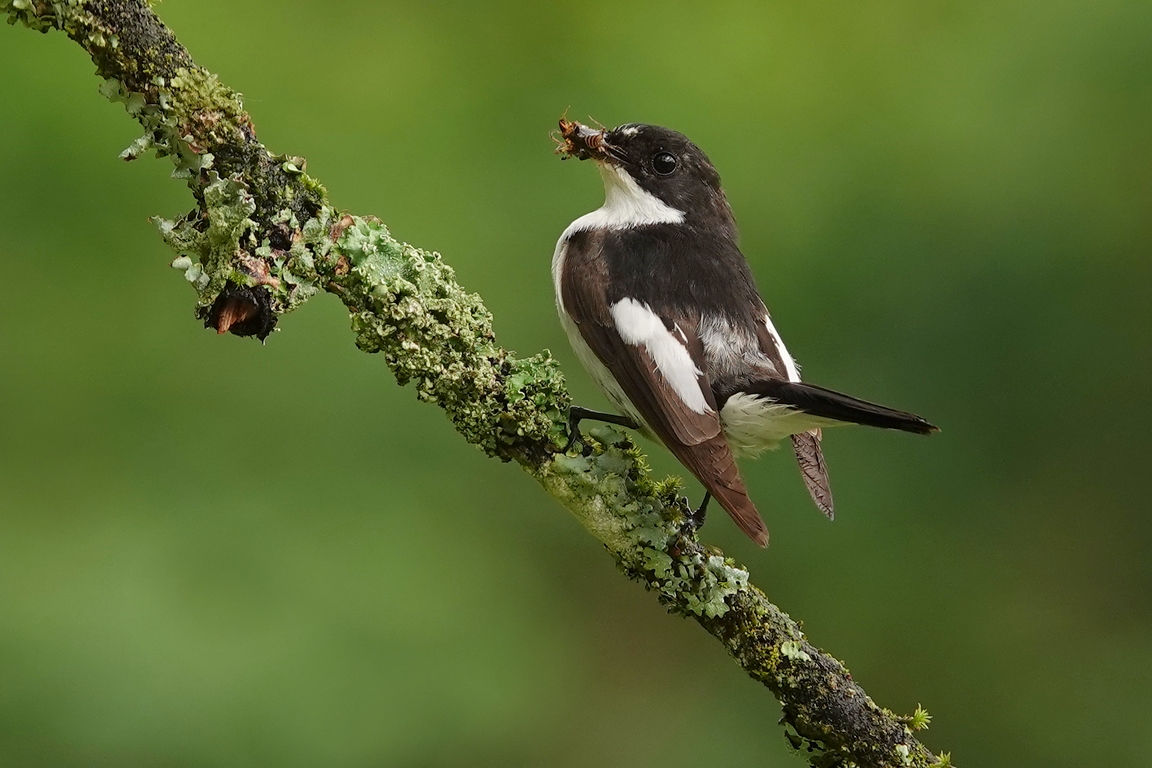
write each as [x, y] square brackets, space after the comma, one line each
[658, 363]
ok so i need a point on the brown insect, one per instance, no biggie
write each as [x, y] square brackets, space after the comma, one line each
[577, 140]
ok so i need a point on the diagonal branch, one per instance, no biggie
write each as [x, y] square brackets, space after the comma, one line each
[263, 239]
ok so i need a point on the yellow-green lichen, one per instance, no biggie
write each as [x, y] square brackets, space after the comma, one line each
[640, 522]
[405, 304]
[207, 244]
[793, 650]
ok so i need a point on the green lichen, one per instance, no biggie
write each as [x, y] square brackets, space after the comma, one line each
[406, 305]
[162, 126]
[36, 14]
[792, 649]
[206, 244]
[201, 124]
[641, 523]
[189, 116]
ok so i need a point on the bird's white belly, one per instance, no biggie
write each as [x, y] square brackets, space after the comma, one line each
[755, 424]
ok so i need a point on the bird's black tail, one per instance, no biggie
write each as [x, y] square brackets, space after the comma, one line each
[829, 404]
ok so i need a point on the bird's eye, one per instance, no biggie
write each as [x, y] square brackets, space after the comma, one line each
[664, 163]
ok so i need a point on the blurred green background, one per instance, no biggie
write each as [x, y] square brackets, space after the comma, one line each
[214, 553]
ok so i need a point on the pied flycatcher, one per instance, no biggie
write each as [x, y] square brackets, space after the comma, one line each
[662, 310]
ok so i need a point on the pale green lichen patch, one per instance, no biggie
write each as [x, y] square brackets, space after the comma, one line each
[706, 587]
[207, 244]
[793, 650]
[405, 304]
[178, 122]
[590, 493]
[161, 131]
[659, 563]
[216, 247]
[610, 491]
[190, 116]
[41, 16]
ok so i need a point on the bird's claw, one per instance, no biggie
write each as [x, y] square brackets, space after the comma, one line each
[694, 520]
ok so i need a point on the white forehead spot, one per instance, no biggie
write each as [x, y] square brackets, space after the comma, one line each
[638, 325]
[630, 130]
[626, 205]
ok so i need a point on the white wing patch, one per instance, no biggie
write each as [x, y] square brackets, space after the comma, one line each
[626, 205]
[789, 363]
[638, 325]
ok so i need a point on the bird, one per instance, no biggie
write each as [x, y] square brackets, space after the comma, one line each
[662, 310]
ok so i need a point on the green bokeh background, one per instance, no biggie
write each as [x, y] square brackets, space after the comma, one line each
[214, 553]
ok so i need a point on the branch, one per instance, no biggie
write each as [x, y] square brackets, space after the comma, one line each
[263, 239]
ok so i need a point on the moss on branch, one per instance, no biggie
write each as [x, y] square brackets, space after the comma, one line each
[263, 239]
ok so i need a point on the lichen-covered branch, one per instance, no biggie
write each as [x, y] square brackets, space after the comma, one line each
[263, 238]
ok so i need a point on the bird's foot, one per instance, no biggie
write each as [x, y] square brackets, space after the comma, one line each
[576, 414]
[694, 521]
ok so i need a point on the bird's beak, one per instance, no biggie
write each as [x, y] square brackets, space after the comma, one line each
[582, 142]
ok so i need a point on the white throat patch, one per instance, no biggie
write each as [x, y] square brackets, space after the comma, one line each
[626, 205]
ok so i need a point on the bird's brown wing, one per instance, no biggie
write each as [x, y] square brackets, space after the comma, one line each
[693, 434]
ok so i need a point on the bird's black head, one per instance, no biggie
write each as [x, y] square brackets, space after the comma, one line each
[662, 162]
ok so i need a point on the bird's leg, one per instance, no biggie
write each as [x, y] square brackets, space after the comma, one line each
[695, 519]
[576, 414]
